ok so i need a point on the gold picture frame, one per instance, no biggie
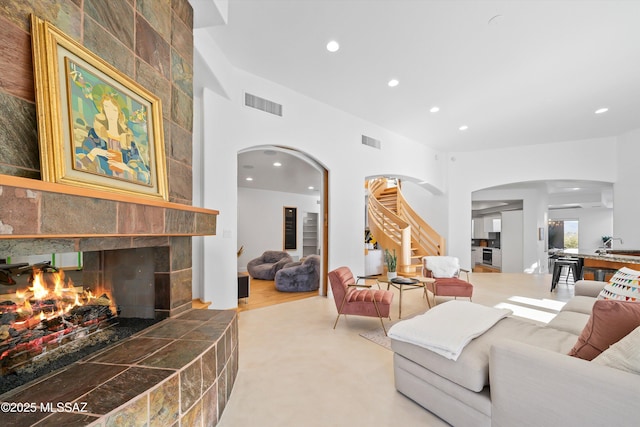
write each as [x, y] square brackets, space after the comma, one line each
[97, 128]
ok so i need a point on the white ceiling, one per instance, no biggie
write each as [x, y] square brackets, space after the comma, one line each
[562, 194]
[535, 73]
[294, 175]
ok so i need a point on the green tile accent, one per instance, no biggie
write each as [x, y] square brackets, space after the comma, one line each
[182, 73]
[182, 108]
[158, 13]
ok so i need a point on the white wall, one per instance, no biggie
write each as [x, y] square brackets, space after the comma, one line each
[260, 221]
[626, 200]
[512, 241]
[427, 205]
[593, 223]
[329, 136]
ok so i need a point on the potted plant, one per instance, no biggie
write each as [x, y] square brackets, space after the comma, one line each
[391, 261]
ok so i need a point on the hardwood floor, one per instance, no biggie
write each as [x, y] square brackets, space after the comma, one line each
[263, 293]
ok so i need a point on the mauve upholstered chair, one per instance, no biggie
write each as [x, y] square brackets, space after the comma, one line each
[446, 270]
[299, 277]
[268, 264]
[358, 299]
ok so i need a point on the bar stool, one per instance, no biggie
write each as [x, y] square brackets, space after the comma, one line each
[559, 264]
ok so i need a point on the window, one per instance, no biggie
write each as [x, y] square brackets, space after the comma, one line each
[563, 234]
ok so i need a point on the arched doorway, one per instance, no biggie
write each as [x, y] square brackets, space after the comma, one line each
[269, 179]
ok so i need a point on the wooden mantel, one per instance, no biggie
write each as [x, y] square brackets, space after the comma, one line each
[43, 210]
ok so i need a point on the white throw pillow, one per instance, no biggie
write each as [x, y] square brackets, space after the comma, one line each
[623, 355]
[623, 286]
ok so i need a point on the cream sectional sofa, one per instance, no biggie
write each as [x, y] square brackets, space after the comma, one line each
[533, 380]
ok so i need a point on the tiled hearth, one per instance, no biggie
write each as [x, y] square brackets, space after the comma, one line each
[183, 369]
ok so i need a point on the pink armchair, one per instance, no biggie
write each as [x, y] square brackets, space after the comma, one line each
[359, 300]
[446, 270]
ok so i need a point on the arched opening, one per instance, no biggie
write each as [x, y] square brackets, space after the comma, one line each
[511, 231]
[273, 180]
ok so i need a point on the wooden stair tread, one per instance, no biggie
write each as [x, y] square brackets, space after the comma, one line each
[390, 199]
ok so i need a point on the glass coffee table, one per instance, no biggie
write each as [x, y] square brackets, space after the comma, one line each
[404, 284]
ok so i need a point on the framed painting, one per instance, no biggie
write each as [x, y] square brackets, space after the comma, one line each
[97, 128]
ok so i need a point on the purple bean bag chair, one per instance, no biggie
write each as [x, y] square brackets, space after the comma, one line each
[267, 265]
[300, 277]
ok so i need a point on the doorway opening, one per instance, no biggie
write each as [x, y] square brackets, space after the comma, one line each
[271, 178]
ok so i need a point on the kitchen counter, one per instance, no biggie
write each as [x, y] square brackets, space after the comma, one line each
[604, 266]
[617, 256]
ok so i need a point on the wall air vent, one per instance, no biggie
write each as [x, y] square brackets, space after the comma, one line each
[262, 104]
[371, 142]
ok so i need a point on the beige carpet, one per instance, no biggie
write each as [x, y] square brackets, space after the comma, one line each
[378, 336]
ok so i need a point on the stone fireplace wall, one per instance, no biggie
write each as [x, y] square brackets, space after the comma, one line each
[148, 40]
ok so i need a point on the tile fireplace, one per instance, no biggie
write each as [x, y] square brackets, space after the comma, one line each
[138, 252]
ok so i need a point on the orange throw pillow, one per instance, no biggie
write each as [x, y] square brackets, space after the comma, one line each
[610, 321]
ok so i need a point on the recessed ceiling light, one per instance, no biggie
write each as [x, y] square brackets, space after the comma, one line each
[601, 110]
[463, 127]
[277, 164]
[333, 46]
[434, 109]
[249, 178]
[393, 83]
[310, 187]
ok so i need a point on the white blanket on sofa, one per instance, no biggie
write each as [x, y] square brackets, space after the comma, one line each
[448, 327]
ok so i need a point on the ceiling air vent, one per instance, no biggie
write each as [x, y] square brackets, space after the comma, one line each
[262, 104]
[371, 142]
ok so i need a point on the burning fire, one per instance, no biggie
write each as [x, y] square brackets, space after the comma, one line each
[57, 301]
[48, 310]
[45, 301]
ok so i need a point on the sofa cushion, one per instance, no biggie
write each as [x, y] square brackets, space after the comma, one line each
[623, 355]
[580, 304]
[570, 321]
[609, 322]
[471, 370]
[623, 286]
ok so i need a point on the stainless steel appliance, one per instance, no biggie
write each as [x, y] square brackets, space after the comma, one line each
[487, 256]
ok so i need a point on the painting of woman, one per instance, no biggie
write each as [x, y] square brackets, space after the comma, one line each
[116, 142]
